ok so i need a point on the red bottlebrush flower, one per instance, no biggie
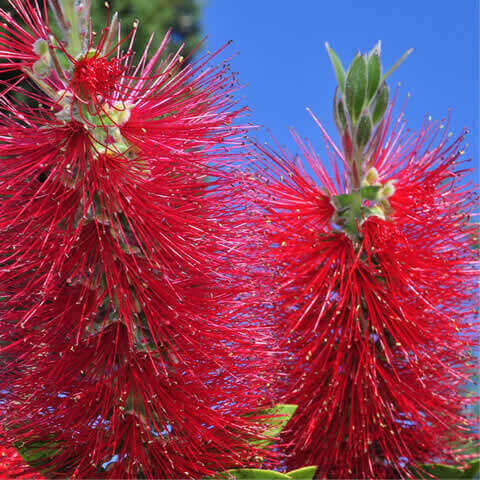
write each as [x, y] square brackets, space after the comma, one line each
[96, 74]
[380, 321]
[123, 341]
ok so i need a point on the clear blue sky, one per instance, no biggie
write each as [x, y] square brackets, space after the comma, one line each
[284, 65]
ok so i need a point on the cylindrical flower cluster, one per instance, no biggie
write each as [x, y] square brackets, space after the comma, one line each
[150, 281]
[123, 345]
[376, 287]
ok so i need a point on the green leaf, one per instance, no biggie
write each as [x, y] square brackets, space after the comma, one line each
[274, 418]
[339, 113]
[278, 417]
[338, 67]
[253, 473]
[473, 470]
[370, 192]
[305, 473]
[364, 131]
[439, 471]
[448, 471]
[342, 201]
[374, 73]
[356, 87]
[376, 49]
[38, 453]
[381, 104]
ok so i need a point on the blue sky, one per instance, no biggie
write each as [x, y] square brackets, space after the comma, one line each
[284, 66]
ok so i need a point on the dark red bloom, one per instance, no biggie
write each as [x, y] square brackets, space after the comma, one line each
[380, 326]
[96, 74]
[124, 345]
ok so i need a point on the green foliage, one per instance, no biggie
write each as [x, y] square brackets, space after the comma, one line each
[374, 71]
[38, 453]
[275, 418]
[251, 474]
[182, 16]
[381, 104]
[356, 87]
[339, 112]
[370, 192]
[362, 96]
[364, 130]
[338, 67]
[440, 471]
[305, 473]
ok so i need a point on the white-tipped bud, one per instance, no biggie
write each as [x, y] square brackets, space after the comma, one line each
[116, 134]
[371, 177]
[388, 190]
[41, 67]
[123, 116]
[40, 47]
[119, 112]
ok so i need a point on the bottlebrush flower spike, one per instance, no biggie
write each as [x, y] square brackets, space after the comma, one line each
[377, 286]
[123, 344]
